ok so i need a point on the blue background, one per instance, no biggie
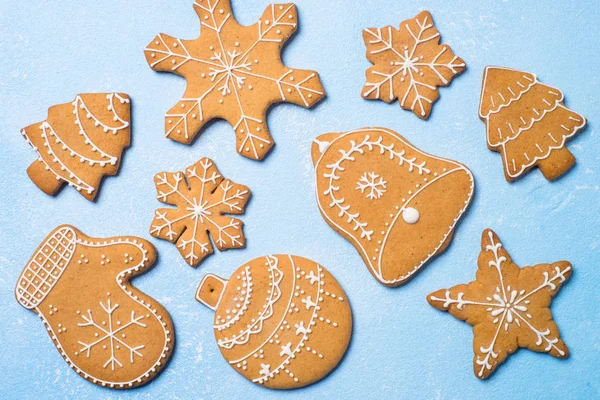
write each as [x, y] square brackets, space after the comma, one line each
[401, 347]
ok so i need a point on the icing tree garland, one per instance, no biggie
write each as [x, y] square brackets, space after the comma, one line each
[222, 74]
[110, 334]
[334, 173]
[70, 155]
[201, 198]
[409, 64]
[510, 309]
[527, 122]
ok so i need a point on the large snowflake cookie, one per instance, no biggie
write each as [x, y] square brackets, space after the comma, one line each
[201, 197]
[233, 72]
[396, 204]
[108, 331]
[507, 306]
[409, 64]
[527, 122]
[80, 142]
[281, 321]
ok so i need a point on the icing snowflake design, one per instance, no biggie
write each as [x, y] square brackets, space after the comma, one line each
[507, 306]
[234, 72]
[202, 196]
[373, 184]
[111, 334]
[409, 64]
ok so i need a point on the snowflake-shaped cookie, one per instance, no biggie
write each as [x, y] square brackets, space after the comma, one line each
[202, 196]
[233, 72]
[507, 306]
[409, 64]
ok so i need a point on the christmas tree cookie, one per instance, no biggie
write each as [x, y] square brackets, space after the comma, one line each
[80, 142]
[507, 306]
[281, 321]
[201, 196]
[396, 204]
[527, 122]
[108, 331]
[233, 72]
[409, 64]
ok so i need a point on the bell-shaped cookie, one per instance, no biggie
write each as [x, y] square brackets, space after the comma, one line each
[396, 204]
[108, 331]
[281, 321]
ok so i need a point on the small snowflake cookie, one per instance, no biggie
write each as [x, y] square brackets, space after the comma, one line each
[80, 142]
[527, 122]
[201, 196]
[233, 72]
[409, 64]
[396, 204]
[281, 321]
[508, 306]
[108, 331]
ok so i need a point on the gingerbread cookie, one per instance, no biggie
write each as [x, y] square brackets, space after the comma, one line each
[80, 142]
[233, 72]
[507, 306]
[281, 321]
[396, 204]
[527, 122]
[409, 64]
[201, 196]
[108, 331]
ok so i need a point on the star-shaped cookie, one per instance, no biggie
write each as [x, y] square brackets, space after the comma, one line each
[233, 72]
[507, 306]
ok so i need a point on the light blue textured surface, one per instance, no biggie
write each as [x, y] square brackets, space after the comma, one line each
[402, 347]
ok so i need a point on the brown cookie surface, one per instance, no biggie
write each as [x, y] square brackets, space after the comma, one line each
[281, 321]
[409, 64]
[202, 198]
[108, 331]
[80, 142]
[397, 205]
[233, 72]
[527, 122]
[508, 306]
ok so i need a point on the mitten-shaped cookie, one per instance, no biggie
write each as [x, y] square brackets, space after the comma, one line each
[281, 321]
[396, 204]
[80, 142]
[108, 331]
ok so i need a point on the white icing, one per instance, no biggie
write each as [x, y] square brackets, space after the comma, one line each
[228, 68]
[506, 306]
[374, 263]
[410, 215]
[517, 171]
[122, 280]
[411, 65]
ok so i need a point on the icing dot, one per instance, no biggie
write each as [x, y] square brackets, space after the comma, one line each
[410, 215]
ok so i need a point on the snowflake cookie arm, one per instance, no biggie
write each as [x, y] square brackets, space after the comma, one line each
[227, 232]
